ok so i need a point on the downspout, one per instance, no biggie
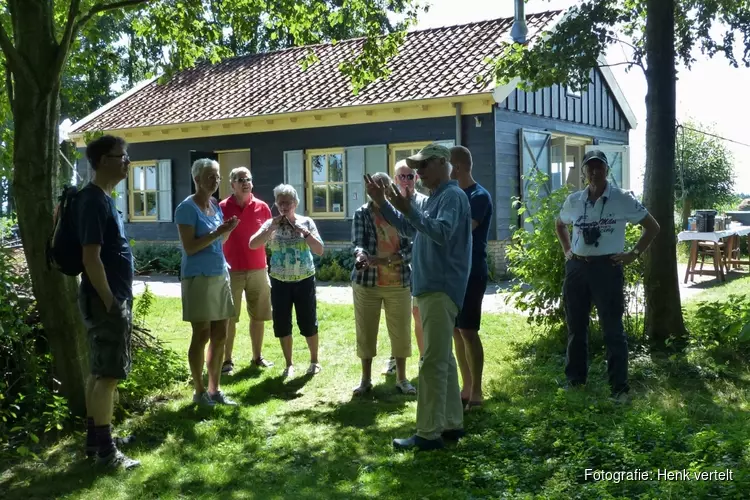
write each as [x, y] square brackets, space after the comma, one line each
[519, 31]
[458, 124]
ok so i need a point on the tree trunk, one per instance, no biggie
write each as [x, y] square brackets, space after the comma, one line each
[663, 309]
[36, 116]
[687, 207]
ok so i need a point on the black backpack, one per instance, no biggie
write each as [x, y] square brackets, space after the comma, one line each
[64, 251]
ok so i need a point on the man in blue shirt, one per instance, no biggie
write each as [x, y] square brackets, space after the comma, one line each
[105, 298]
[469, 350]
[440, 272]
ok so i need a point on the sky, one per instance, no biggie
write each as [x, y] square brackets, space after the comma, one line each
[711, 93]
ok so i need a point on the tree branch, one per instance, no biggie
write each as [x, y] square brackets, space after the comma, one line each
[103, 7]
[9, 86]
[68, 34]
[629, 63]
[14, 61]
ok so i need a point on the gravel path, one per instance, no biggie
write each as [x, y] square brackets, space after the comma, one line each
[169, 286]
[494, 297]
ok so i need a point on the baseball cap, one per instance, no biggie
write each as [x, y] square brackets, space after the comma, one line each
[595, 154]
[429, 151]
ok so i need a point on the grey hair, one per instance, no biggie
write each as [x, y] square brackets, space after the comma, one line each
[200, 165]
[285, 190]
[402, 164]
[236, 172]
[382, 176]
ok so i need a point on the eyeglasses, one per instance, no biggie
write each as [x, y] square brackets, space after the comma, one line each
[406, 176]
[123, 157]
[245, 180]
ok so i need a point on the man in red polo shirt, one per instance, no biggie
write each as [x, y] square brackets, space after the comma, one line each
[248, 270]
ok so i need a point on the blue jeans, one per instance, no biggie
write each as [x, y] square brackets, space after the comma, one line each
[600, 282]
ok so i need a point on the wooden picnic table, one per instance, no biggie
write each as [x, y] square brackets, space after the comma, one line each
[721, 259]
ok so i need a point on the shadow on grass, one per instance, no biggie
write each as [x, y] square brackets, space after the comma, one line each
[530, 438]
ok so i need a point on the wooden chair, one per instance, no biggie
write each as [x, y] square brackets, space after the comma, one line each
[708, 249]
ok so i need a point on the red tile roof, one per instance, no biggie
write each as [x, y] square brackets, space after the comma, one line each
[432, 63]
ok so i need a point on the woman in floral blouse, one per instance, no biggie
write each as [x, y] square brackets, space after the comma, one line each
[292, 239]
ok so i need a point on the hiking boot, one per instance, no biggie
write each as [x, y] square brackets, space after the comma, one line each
[117, 460]
[119, 442]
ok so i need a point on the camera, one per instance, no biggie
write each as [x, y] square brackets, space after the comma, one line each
[591, 235]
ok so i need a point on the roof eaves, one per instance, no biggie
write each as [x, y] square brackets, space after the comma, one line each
[83, 121]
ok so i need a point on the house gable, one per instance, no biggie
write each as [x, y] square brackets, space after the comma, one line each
[598, 105]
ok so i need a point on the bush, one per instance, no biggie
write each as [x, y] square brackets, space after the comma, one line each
[161, 258]
[537, 262]
[29, 403]
[722, 329]
[335, 265]
[155, 367]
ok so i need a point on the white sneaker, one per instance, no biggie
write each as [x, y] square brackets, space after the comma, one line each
[288, 372]
[390, 366]
[421, 362]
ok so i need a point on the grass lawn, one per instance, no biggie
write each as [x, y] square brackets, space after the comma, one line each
[307, 438]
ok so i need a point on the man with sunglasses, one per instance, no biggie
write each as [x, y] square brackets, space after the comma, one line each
[441, 260]
[406, 180]
[594, 269]
[248, 270]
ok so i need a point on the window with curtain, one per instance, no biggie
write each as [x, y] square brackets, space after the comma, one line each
[325, 171]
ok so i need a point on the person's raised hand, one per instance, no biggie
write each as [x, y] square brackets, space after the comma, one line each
[400, 202]
[277, 221]
[228, 225]
[375, 190]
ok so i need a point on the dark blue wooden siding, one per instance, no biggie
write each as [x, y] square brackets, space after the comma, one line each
[507, 150]
[267, 160]
[596, 105]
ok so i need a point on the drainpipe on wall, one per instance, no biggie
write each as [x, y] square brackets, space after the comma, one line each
[458, 124]
[519, 30]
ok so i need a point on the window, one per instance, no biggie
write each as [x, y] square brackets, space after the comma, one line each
[325, 171]
[146, 194]
[142, 191]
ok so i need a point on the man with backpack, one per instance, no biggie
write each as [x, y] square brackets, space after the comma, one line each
[106, 293]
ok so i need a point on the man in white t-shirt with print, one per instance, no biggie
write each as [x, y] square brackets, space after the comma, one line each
[594, 268]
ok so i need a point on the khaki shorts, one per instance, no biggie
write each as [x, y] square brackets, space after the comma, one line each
[367, 304]
[109, 333]
[207, 298]
[257, 287]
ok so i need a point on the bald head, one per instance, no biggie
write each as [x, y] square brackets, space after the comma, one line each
[461, 158]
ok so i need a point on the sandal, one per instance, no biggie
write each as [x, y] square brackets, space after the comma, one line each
[364, 387]
[472, 405]
[406, 388]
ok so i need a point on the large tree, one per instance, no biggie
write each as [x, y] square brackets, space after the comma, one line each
[658, 34]
[37, 38]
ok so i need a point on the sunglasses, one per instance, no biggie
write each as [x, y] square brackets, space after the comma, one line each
[406, 176]
[245, 180]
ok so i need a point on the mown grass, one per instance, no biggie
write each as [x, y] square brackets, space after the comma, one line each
[307, 438]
